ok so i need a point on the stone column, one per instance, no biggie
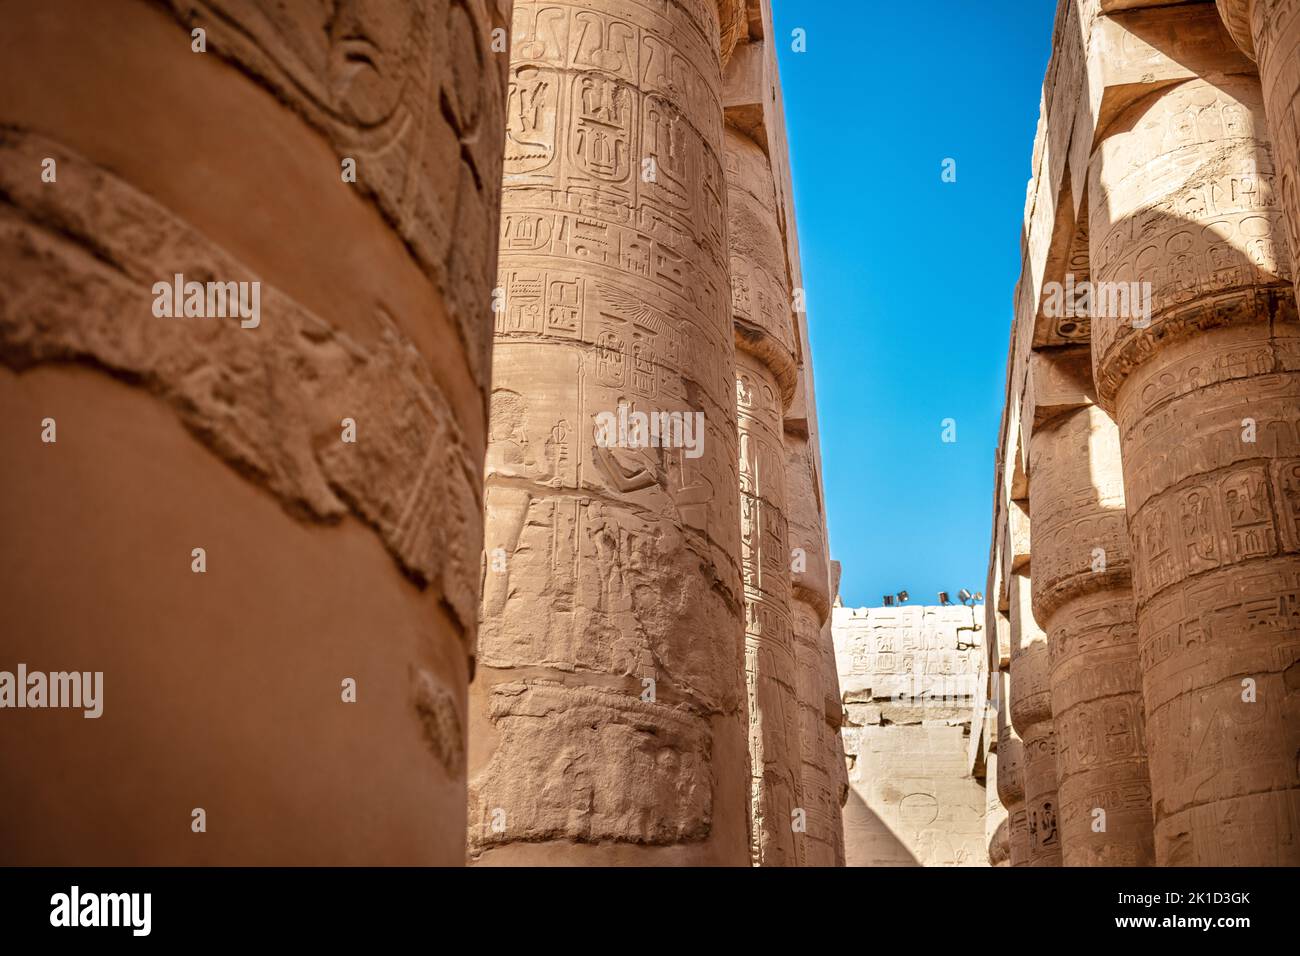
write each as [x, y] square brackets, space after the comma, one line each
[1031, 715]
[997, 828]
[263, 527]
[1269, 32]
[1083, 597]
[1010, 778]
[833, 714]
[836, 715]
[1184, 196]
[610, 707]
[821, 757]
[765, 382]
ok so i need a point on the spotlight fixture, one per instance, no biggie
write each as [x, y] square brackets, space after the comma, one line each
[964, 596]
[944, 599]
[979, 596]
[889, 600]
[902, 597]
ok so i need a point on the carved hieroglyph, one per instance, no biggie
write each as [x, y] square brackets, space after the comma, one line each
[1082, 596]
[1269, 31]
[908, 676]
[1031, 715]
[820, 710]
[760, 306]
[1010, 778]
[610, 701]
[324, 560]
[1184, 194]
[771, 663]
[833, 709]
[997, 824]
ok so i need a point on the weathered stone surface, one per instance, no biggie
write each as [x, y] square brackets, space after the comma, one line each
[326, 560]
[771, 661]
[1031, 715]
[907, 696]
[1156, 174]
[268, 400]
[399, 88]
[615, 565]
[599, 769]
[765, 377]
[997, 825]
[1082, 595]
[836, 762]
[1010, 778]
[1269, 32]
[1184, 195]
[825, 780]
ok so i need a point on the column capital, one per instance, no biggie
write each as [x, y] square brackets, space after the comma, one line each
[733, 24]
[1236, 17]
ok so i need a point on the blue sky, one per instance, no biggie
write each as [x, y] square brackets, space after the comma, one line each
[909, 279]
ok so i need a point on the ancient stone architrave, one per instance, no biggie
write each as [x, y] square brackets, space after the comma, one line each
[765, 377]
[1082, 596]
[1031, 716]
[610, 698]
[322, 561]
[1269, 32]
[907, 677]
[1184, 194]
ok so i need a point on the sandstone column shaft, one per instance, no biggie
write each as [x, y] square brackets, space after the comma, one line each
[834, 761]
[1010, 779]
[822, 756]
[997, 827]
[610, 695]
[822, 759]
[1031, 715]
[1082, 596]
[1184, 195]
[765, 369]
[283, 617]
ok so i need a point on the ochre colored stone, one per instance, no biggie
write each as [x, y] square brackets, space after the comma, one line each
[1183, 194]
[907, 678]
[1031, 716]
[325, 561]
[760, 309]
[1269, 31]
[609, 704]
[997, 825]
[1082, 595]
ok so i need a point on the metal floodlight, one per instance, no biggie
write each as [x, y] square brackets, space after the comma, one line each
[964, 596]
[889, 600]
[902, 597]
[943, 598]
[979, 596]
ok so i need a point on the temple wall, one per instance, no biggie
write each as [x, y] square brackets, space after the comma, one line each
[907, 677]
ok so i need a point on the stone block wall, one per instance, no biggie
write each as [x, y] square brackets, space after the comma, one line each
[908, 677]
